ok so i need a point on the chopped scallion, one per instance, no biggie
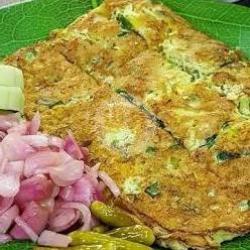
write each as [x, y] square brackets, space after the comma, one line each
[50, 103]
[244, 105]
[153, 190]
[224, 156]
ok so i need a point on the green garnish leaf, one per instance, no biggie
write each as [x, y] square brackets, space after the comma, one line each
[156, 1]
[244, 105]
[18, 30]
[18, 245]
[240, 243]
[224, 156]
[94, 3]
[153, 190]
[50, 103]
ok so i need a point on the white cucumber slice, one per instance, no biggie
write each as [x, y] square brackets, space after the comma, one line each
[11, 98]
[11, 76]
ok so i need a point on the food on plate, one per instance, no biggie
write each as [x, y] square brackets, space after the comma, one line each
[162, 107]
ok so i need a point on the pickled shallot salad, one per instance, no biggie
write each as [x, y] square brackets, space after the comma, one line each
[46, 184]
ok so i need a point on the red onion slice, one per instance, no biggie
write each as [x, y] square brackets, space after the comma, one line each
[84, 191]
[8, 121]
[48, 204]
[84, 210]
[36, 218]
[72, 148]
[7, 219]
[67, 193]
[67, 173]
[35, 124]
[37, 141]
[3, 165]
[41, 160]
[85, 152]
[15, 149]
[2, 135]
[5, 204]
[5, 238]
[52, 239]
[20, 129]
[9, 184]
[63, 218]
[56, 142]
[36, 188]
[26, 228]
[110, 183]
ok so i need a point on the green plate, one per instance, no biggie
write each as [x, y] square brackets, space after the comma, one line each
[27, 23]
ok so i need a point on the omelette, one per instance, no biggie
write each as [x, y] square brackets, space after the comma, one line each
[164, 108]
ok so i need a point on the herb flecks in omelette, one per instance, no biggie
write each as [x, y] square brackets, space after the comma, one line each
[153, 189]
[225, 156]
[120, 139]
[244, 105]
[244, 205]
[210, 141]
[125, 24]
[132, 185]
[49, 102]
[151, 150]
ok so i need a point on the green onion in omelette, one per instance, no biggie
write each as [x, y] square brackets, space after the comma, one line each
[244, 105]
[125, 24]
[224, 156]
[151, 150]
[49, 102]
[210, 141]
[153, 190]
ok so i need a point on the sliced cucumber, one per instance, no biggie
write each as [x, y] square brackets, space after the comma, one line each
[11, 98]
[11, 77]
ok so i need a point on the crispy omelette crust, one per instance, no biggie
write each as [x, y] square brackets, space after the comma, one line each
[202, 189]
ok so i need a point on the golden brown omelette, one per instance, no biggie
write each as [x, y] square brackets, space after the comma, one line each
[163, 107]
